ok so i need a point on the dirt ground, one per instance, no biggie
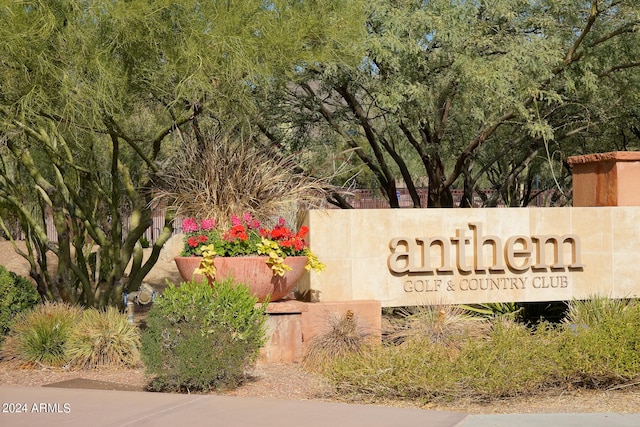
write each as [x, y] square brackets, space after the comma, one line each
[290, 381]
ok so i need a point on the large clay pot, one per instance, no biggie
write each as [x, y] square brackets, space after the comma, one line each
[253, 271]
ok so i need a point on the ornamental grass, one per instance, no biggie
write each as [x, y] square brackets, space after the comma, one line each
[103, 339]
[225, 172]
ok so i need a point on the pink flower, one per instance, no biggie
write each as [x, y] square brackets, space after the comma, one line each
[235, 221]
[281, 222]
[207, 224]
[189, 225]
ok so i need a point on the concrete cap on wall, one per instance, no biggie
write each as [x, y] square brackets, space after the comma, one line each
[620, 156]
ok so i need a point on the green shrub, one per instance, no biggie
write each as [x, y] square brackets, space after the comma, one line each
[39, 336]
[514, 360]
[414, 370]
[511, 360]
[601, 343]
[597, 311]
[103, 338]
[200, 338]
[17, 294]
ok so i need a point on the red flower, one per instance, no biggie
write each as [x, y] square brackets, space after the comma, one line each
[286, 243]
[280, 233]
[202, 238]
[192, 241]
[302, 233]
[236, 232]
[298, 245]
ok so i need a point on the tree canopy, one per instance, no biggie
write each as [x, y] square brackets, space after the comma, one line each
[93, 95]
[474, 93]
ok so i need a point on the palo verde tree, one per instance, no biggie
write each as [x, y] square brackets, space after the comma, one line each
[475, 93]
[93, 95]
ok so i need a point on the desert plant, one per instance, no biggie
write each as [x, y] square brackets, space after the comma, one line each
[345, 334]
[103, 338]
[144, 242]
[443, 323]
[202, 338]
[597, 310]
[601, 342]
[516, 359]
[17, 294]
[416, 370]
[512, 359]
[223, 172]
[512, 310]
[39, 336]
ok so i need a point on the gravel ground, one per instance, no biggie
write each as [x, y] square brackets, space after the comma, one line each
[292, 382]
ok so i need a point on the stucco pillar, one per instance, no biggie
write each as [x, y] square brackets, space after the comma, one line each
[606, 179]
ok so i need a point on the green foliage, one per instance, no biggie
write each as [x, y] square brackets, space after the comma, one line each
[17, 294]
[512, 359]
[40, 335]
[103, 338]
[144, 242]
[602, 340]
[413, 371]
[201, 338]
[473, 94]
[58, 334]
[513, 310]
[96, 94]
[597, 311]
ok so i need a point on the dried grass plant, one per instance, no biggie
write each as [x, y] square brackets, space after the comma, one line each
[441, 323]
[228, 172]
[345, 335]
[103, 339]
[38, 337]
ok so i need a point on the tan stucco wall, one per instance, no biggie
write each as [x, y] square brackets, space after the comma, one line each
[355, 247]
[606, 179]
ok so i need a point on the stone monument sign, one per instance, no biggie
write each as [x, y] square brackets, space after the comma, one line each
[404, 257]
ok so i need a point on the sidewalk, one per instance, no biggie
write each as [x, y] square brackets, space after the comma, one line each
[43, 406]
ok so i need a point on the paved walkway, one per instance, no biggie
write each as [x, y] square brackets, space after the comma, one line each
[43, 406]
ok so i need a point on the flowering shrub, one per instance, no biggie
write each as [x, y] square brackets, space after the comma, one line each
[246, 237]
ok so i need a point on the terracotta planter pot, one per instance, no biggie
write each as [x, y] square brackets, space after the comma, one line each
[252, 271]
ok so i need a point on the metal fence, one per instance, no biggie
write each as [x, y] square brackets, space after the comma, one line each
[372, 199]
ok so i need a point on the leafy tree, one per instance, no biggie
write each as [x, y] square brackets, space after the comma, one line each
[96, 93]
[476, 93]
